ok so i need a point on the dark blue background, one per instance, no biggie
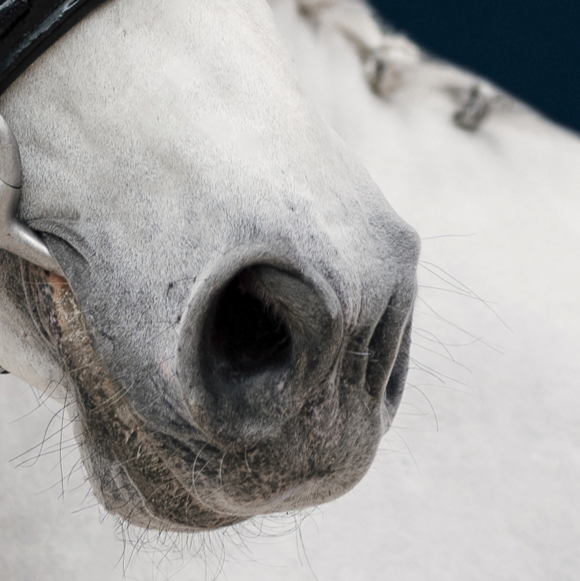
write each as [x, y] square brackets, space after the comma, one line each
[530, 48]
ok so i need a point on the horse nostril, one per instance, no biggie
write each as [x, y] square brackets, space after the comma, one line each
[249, 351]
[254, 351]
[246, 334]
[389, 345]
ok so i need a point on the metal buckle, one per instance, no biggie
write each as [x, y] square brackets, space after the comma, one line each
[15, 237]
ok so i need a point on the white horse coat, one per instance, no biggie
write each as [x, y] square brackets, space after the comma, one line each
[479, 478]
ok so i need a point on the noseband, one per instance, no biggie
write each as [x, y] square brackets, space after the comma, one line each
[27, 29]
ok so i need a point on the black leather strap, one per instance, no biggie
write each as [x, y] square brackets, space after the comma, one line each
[29, 27]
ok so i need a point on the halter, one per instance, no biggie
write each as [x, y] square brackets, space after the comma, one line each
[27, 29]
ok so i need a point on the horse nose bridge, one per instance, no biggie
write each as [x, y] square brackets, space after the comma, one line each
[254, 346]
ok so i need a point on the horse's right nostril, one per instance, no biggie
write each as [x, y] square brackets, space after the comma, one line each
[265, 341]
[246, 334]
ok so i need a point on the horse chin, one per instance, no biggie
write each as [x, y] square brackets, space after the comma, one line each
[155, 480]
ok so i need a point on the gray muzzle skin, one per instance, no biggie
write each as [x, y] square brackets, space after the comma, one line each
[15, 237]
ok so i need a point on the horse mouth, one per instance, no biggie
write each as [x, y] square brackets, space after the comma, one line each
[154, 480]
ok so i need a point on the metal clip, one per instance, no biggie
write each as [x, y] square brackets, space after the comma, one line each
[15, 236]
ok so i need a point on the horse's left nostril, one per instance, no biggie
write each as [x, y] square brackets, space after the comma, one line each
[389, 346]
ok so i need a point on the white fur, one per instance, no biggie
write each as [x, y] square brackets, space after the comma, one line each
[492, 493]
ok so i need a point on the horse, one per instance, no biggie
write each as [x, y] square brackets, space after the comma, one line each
[452, 154]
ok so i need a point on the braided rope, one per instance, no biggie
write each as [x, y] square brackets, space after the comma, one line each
[389, 60]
